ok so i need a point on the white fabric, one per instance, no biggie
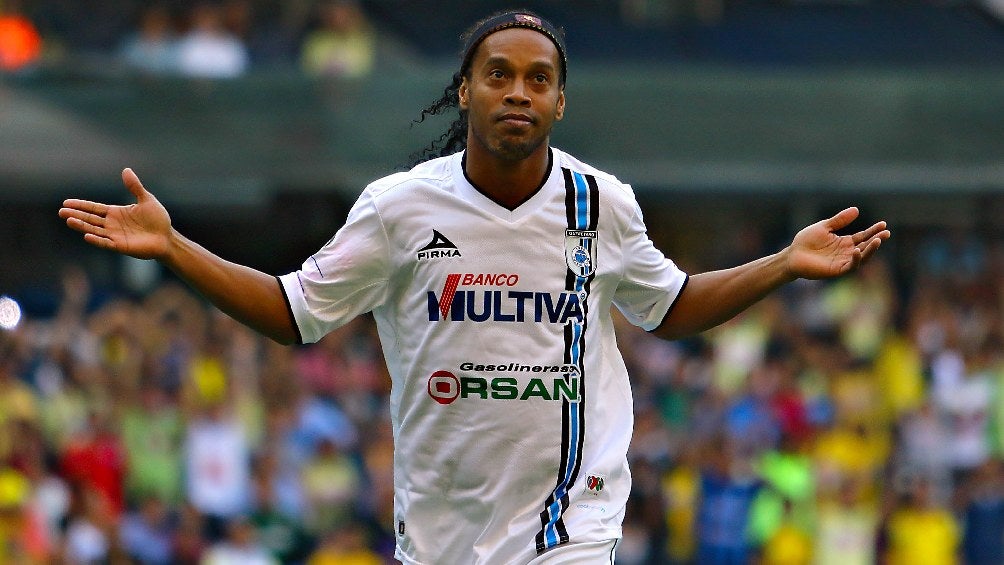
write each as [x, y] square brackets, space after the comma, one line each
[475, 406]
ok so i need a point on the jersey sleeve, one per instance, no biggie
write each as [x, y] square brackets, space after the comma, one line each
[345, 278]
[650, 283]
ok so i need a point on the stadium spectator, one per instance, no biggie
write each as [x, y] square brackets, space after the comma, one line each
[90, 528]
[217, 463]
[208, 49]
[343, 44]
[240, 546]
[847, 529]
[152, 431]
[332, 484]
[981, 502]
[727, 491]
[345, 546]
[94, 461]
[920, 531]
[146, 533]
[153, 47]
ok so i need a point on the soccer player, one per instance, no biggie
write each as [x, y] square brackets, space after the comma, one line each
[491, 271]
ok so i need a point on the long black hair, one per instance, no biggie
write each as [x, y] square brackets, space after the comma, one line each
[454, 139]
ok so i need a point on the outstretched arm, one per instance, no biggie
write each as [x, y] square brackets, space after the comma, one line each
[143, 230]
[816, 252]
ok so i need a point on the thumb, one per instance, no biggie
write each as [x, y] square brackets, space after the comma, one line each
[842, 219]
[132, 182]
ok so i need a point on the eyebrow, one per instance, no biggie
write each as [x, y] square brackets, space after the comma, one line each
[502, 60]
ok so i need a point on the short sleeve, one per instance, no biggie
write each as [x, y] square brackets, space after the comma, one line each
[650, 283]
[347, 277]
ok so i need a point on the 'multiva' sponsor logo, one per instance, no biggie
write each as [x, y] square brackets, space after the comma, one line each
[456, 305]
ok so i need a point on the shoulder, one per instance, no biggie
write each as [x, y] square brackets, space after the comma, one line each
[431, 174]
[609, 185]
[615, 195]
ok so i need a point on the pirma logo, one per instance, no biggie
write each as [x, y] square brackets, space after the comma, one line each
[594, 483]
[438, 248]
[444, 387]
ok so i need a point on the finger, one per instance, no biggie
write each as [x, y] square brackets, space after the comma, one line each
[80, 215]
[868, 233]
[71, 205]
[98, 241]
[86, 227]
[842, 219]
[134, 185]
[870, 249]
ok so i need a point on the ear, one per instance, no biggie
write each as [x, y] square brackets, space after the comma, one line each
[463, 94]
[560, 110]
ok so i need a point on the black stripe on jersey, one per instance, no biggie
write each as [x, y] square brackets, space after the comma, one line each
[594, 203]
[570, 218]
[571, 411]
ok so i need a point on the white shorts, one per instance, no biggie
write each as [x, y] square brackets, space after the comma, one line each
[587, 553]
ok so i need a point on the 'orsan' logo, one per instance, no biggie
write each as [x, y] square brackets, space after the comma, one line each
[438, 248]
[445, 387]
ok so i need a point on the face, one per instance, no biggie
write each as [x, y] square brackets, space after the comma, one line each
[512, 93]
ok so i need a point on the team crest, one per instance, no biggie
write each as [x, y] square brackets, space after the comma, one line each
[580, 251]
[595, 483]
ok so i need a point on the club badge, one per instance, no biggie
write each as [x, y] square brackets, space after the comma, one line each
[580, 252]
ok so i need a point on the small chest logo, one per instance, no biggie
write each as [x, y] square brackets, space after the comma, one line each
[439, 248]
[580, 251]
[594, 484]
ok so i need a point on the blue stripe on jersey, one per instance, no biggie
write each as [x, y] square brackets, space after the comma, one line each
[582, 215]
[581, 202]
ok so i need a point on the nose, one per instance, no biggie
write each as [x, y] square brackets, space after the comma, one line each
[517, 95]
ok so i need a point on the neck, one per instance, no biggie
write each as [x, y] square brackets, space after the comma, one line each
[509, 183]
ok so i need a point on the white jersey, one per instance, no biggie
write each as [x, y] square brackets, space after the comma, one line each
[510, 402]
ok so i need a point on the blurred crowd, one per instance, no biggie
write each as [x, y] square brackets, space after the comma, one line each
[218, 39]
[849, 422]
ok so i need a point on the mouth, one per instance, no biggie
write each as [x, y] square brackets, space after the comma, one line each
[516, 119]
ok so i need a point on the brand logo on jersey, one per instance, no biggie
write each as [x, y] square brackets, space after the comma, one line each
[498, 305]
[580, 251]
[444, 387]
[438, 248]
[594, 484]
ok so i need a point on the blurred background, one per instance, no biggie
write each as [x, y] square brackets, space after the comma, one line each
[853, 421]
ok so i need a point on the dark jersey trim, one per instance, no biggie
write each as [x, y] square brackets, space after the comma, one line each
[543, 181]
[673, 305]
[289, 310]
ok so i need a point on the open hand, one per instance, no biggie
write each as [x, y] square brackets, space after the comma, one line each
[817, 252]
[140, 230]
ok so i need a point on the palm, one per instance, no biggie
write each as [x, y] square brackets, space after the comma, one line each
[817, 252]
[140, 230]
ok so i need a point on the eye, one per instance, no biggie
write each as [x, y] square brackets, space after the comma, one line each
[541, 78]
[496, 74]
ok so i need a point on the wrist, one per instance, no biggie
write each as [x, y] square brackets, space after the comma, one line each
[786, 273]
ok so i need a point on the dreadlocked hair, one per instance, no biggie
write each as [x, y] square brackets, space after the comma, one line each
[455, 137]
